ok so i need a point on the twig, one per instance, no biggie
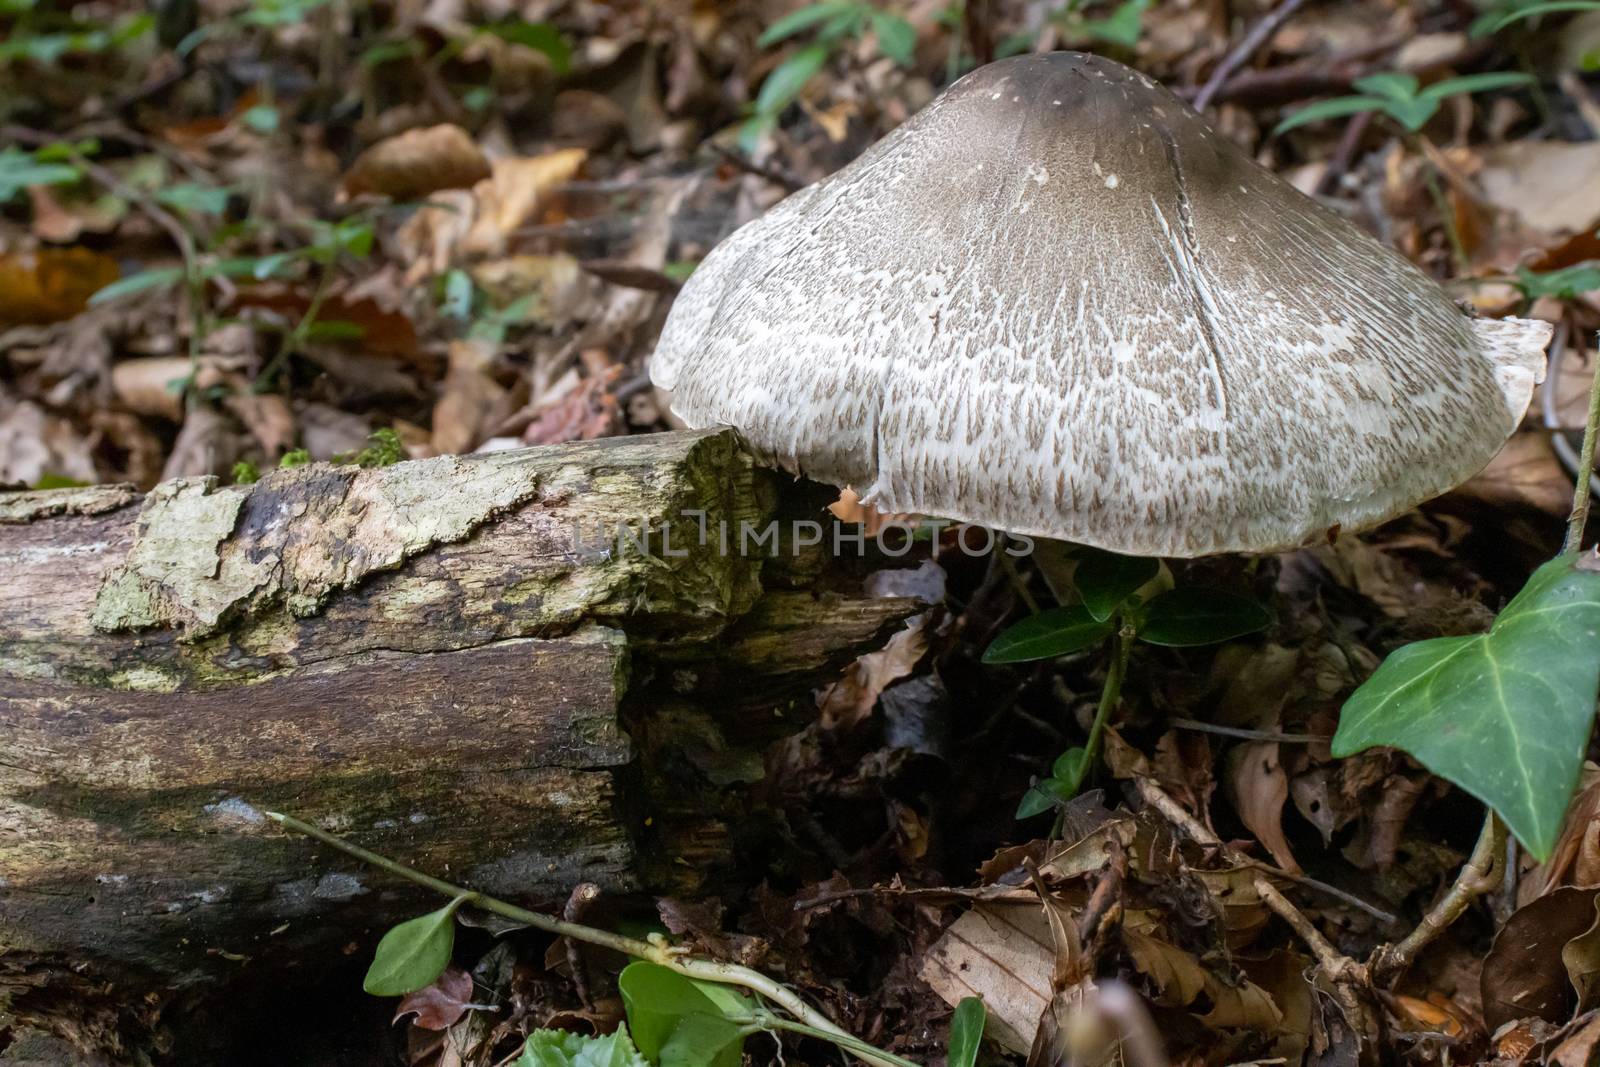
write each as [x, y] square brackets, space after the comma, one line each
[1248, 735]
[1479, 876]
[656, 951]
[1246, 48]
[789, 182]
[1580, 497]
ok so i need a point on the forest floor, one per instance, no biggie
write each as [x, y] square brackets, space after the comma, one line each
[237, 236]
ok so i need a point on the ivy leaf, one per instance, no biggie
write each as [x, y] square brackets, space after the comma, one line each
[563, 1048]
[966, 1032]
[678, 1022]
[1105, 579]
[1041, 797]
[1047, 635]
[1506, 714]
[1192, 615]
[414, 953]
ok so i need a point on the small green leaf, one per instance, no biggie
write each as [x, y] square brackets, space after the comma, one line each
[413, 954]
[137, 283]
[19, 169]
[1044, 795]
[563, 1048]
[1477, 83]
[1069, 769]
[1123, 27]
[1567, 283]
[799, 21]
[1106, 579]
[1495, 21]
[1049, 634]
[1194, 616]
[1338, 107]
[966, 1032]
[785, 83]
[194, 198]
[1505, 715]
[263, 118]
[1391, 85]
[541, 37]
[897, 38]
[679, 1022]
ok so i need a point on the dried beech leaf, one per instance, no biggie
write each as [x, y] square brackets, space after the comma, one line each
[413, 164]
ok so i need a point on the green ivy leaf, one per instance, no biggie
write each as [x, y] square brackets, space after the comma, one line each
[1047, 635]
[413, 954]
[678, 1022]
[1043, 796]
[1506, 714]
[785, 83]
[563, 1048]
[1106, 579]
[966, 1032]
[1338, 107]
[1191, 615]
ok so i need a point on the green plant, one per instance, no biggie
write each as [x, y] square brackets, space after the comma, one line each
[1111, 606]
[833, 22]
[1506, 715]
[1501, 15]
[19, 169]
[1568, 283]
[682, 1011]
[45, 36]
[1400, 98]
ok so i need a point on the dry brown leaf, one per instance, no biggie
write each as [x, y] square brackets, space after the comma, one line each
[439, 1005]
[586, 413]
[1524, 473]
[1258, 787]
[849, 508]
[851, 699]
[471, 403]
[1177, 974]
[1242, 1006]
[1005, 955]
[413, 164]
[1524, 974]
[1579, 1049]
[34, 444]
[1552, 186]
[267, 417]
[51, 284]
[515, 194]
[151, 386]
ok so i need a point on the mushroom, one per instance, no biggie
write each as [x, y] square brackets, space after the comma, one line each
[1057, 303]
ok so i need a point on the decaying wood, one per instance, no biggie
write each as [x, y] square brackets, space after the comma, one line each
[420, 656]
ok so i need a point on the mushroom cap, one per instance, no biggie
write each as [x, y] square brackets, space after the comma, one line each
[1056, 303]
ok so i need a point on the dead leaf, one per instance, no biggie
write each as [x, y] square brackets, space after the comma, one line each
[1581, 958]
[51, 284]
[1579, 1049]
[1005, 955]
[267, 417]
[471, 403]
[152, 386]
[413, 164]
[1258, 787]
[852, 698]
[850, 508]
[438, 1006]
[1524, 974]
[1177, 974]
[1552, 186]
[1524, 473]
[586, 413]
[34, 444]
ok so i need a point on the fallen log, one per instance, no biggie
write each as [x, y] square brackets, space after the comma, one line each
[476, 665]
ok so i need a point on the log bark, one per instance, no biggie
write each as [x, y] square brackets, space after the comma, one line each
[421, 656]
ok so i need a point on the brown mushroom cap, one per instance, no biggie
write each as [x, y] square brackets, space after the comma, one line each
[1055, 302]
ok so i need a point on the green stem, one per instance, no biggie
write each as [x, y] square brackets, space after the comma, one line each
[768, 1021]
[656, 951]
[1580, 497]
[1447, 217]
[1110, 693]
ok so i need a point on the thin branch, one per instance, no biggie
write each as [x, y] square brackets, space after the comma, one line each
[1580, 497]
[1241, 53]
[1480, 875]
[656, 951]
